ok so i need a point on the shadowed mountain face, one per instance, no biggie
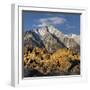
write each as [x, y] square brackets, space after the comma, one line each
[51, 38]
[32, 39]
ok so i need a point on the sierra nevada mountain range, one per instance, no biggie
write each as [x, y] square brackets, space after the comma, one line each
[51, 38]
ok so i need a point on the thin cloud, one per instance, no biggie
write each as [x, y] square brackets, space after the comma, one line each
[70, 26]
[52, 20]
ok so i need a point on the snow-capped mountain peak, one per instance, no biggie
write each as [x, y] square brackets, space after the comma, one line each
[51, 38]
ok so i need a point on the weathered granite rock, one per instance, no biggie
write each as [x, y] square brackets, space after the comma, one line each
[41, 63]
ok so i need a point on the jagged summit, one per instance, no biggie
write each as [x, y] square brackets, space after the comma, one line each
[51, 38]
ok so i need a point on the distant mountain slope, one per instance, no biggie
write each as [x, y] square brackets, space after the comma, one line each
[51, 38]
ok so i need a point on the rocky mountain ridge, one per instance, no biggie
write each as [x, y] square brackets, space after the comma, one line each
[51, 38]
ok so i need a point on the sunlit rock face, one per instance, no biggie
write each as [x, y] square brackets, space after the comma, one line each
[51, 38]
[39, 62]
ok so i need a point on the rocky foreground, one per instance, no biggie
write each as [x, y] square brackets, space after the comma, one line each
[38, 62]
